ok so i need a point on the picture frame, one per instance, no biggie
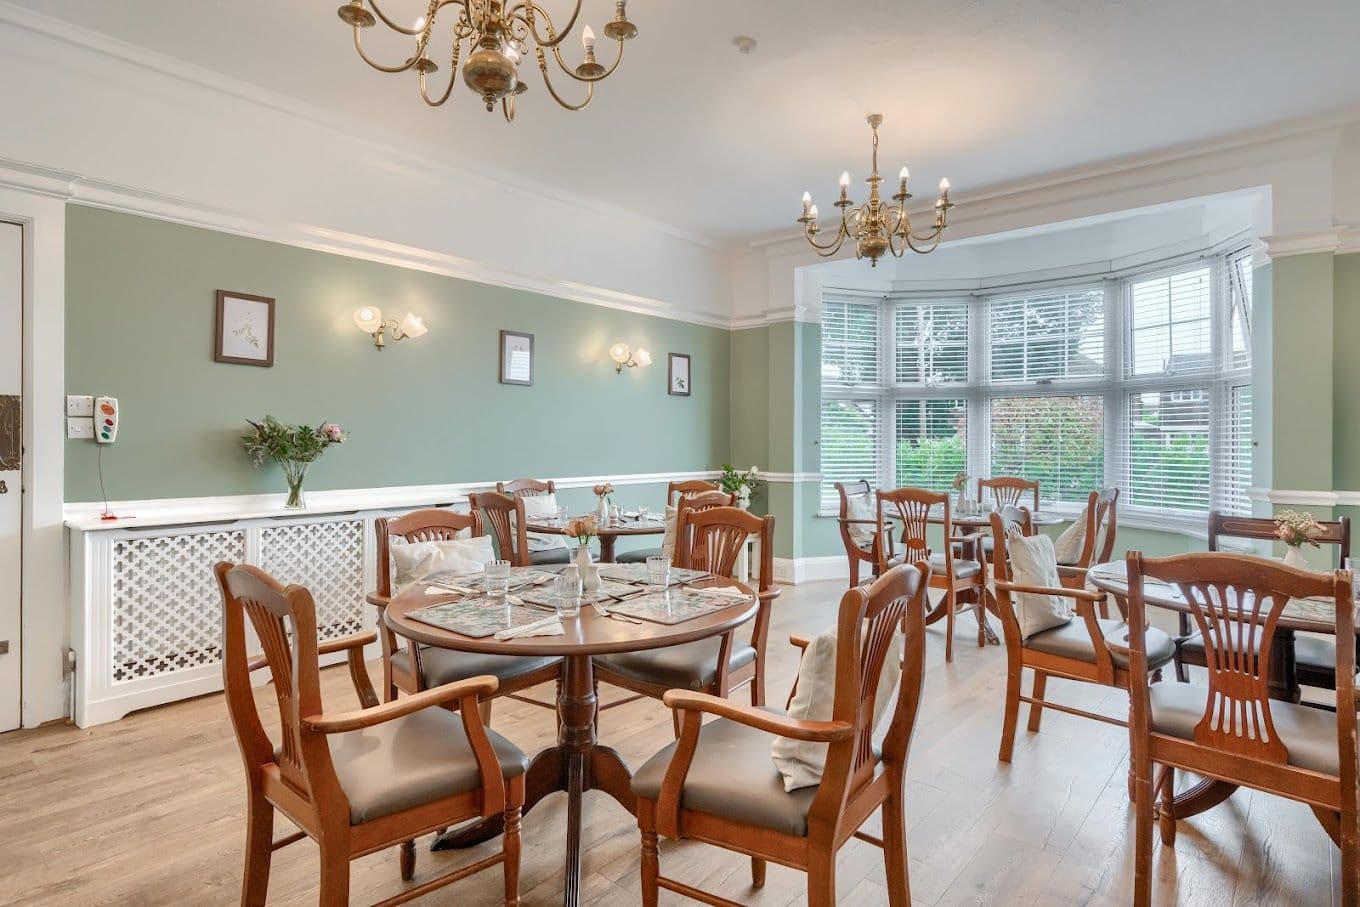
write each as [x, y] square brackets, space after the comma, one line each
[679, 380]
[517, 358]
[244, 332]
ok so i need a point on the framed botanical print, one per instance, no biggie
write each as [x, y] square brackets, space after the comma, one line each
[677, 375]
[517, 358]
[245, 329]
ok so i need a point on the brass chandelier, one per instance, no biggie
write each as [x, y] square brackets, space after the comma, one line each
[875, 227]
[497, 35]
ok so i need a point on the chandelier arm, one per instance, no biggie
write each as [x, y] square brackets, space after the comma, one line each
[557, 54]
[543, 68]
[927, 245]
[396, 26]
[830, 248]
[363, 55]
[453, 79]
[528, 9]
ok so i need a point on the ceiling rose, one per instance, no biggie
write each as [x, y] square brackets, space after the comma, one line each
[875, 227]
[497, 36]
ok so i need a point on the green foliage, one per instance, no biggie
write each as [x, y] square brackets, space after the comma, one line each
[270, 439]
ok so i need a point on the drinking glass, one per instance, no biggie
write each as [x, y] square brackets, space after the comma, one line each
[644, 514]
[658, 572]
[561, 516]
[567, 595]
[497, 578]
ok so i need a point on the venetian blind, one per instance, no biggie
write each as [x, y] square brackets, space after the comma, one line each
[1058, 441]
[1052, 336]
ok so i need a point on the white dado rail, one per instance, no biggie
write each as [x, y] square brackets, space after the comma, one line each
[146, 611]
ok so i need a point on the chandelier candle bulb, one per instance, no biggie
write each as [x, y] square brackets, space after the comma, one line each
[807, 203]
[588, 40]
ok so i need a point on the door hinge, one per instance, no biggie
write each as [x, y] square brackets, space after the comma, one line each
[4, 646]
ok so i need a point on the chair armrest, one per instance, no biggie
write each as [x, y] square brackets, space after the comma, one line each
[800, 640]
[355, 641]
[1072, 571]
[381, 601]
[1079, 594]
[793, 728]
[468, 690]
[849, 522]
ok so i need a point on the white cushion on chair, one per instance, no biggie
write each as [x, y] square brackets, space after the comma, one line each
[1034, 564]
[413, 561]
[542, 508]
[861, 507]
[1067, 547]
[800, 762]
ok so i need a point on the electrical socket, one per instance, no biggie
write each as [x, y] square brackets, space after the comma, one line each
[78, 405]
[80, 428]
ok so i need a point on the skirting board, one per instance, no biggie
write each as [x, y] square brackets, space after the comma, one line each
[792, 571]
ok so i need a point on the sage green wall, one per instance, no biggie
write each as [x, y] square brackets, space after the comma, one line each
[139, 325]
[1302, 302]
[749, 397]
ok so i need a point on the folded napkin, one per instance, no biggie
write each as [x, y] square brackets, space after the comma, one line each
[548, 626]
[724, 593]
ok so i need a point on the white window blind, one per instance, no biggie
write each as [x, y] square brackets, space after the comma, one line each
[849, 446]
[1233, 476]
[849, 345]
[931, 442]
[1051, 336]
[1238, 274]
[1171, 331]
[1058, 442]
[1166, 451]
[931, 342]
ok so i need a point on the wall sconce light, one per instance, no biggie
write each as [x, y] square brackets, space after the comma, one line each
[625, 358]
[370, 321]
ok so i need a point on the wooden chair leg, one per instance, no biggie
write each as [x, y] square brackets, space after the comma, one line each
[407, 860]
[1036, 711]
[512, 849]
[259, 851]
[757, 872]
[1350, 859]
[1166, 817]
[651, 861]
[1142, 860]
[895, 846]
[1013, 678]
[334, 875]
[758, 683]
[950, 603]
[821, 880]
[484, 707]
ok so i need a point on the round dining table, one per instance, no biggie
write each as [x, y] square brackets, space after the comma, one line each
[1309, 615]
[608, 533]
[578, 762]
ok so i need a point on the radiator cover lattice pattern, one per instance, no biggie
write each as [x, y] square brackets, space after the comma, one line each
[327, 558]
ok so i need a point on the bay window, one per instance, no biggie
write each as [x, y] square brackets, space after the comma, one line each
[1140, 379]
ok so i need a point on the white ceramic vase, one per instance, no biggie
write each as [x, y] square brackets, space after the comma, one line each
[602, 511]
[1293, 557]
[590, 574]
[744, 497]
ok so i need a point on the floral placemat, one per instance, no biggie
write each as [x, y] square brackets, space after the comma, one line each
[475, 582]
[674, 606]
[637, 573]
[477, 617]
[544, 595]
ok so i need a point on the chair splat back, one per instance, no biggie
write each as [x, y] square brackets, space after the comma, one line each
[712, 538]
[419, 526]
[1102, 509]
[1334, 532]
[526, 488]
[677, 490]
[505, 515]
[913, 506]
[1010, 490]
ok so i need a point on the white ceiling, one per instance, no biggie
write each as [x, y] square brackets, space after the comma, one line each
[691, 133]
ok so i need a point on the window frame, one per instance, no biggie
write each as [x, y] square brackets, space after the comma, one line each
[1115, 385]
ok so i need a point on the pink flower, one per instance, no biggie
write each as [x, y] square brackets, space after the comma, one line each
[333, 432]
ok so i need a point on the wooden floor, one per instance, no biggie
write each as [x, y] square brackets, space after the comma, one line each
[149, 811]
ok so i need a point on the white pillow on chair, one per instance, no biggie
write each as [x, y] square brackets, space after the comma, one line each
[1067, 547]
[542, 508]
[861, 507]
[413, 561]
[802, 762]
[1034, 564]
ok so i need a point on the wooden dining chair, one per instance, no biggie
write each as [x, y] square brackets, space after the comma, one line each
[717, 783]
[708, 539]
[859, 534]
[1097, 547]
[1314, 657]
[526, 488]
[356, 782]
[1010, 490]
[504, 513]
[416, 667]
[675, 493]
[1077, 650]
[676, 490]
[1230, 728]
[963, 578]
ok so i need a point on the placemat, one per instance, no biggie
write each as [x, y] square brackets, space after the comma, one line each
[477, 617]
[545, 596]
[673, 606]
[475, 582]
[637, 573]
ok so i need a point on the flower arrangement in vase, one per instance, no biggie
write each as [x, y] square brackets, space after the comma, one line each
[603, 495]
[1296, 529]
[740, 484]
[960, 486]
[293, 447]
[583, 529]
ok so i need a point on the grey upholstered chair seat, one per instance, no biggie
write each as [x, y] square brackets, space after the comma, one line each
[1308, 733]
[551, 556]
[1072, 640]
[639, 555]
[962, 569]
[691, 666]
[410, 761]
[1309, 651]
[441, 666]
[733, 776]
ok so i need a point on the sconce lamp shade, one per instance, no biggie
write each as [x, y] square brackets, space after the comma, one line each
[369, 319]
[620, 353]
[413, 326]
[644, 358]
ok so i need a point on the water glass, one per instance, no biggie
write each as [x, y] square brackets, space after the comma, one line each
[497, 578]
[658, 572]
[562, 514]
[567, 595]
[644, 514]
[613, 514]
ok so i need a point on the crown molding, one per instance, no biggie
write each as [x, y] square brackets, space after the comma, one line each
[805, 314]
[1305, 498]
[1315, 241]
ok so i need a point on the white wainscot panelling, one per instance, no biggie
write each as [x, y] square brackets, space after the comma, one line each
[147, 612]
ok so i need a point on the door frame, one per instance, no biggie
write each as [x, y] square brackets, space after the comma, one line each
[43, 598]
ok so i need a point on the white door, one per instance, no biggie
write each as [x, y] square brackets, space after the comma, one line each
[11, 448]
